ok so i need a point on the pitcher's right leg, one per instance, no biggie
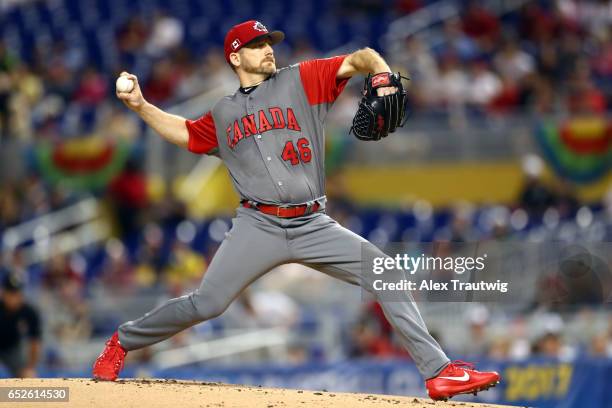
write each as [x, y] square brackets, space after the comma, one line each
[252, 247]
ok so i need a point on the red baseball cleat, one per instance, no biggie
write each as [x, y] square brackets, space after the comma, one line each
[110, 362]
[455, 379]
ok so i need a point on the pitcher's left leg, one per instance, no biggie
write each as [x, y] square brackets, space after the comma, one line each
[325, 245]
[332, 249]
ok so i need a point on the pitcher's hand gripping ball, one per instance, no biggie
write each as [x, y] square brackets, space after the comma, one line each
[124, 84]
[377, 116]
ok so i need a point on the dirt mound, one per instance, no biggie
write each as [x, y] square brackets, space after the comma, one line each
[145, 393]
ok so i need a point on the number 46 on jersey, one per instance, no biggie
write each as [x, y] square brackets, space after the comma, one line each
[298, 152]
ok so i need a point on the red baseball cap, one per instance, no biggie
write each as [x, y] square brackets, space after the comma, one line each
[242, 34]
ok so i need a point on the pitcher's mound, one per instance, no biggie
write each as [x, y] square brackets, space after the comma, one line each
[144, 393]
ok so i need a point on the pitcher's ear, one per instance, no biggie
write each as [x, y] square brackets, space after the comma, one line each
[234, 60]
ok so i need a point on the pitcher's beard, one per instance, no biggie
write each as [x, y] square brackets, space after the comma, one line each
[264, 68]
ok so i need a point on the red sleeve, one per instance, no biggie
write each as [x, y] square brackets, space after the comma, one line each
[319, 79]
[202, 134]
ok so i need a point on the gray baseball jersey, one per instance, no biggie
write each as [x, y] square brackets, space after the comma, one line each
[272, 141]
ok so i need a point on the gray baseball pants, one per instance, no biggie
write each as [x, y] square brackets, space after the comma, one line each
[256, 244]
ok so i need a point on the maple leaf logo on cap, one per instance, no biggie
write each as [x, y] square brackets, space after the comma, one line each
[260, 27]
[236, 43]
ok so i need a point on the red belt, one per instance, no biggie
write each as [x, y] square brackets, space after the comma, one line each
[283, 211]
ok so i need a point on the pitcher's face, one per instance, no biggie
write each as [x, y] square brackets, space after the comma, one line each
[258, 58]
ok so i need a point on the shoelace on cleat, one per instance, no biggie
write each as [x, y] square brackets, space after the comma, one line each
[462, 365]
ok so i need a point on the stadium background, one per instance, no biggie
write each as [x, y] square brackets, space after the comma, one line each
[509, 138]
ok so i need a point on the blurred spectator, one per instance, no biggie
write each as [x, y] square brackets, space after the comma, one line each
[166, 33]
[508, 97]
[419, 62]
[151, 259]
[9, 206]
[58, 76]
[500, 348]
[128, 192]
[461, 225]
[547, 61]
[596, 13]
[274, 309]
[92, 89]
[601, 346]
[549, 345]
[70, 55]
[260, 307]
[536, 197]
[68, 318]
[35, 197]
[194, 80]
[121, 125]
[452, 86]
[456, 42]
[63, 297]
[537, 95]
[570, 49]
[28, 91]
[60, 272]
[422, 69]
[602, 61]
[7, 63]
[118, 273]
[478, 342]
[485, 85]
[132, 36]
[479, 23]
[566, 199]
[537, 23]
[372, 335]
[549, 340]
[583, 96]
[162, 83]
[215, 70]
[27, 198]
[512, 62]
[18, 321]
[265, 308]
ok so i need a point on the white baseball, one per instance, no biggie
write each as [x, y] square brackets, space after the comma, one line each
[124, 84]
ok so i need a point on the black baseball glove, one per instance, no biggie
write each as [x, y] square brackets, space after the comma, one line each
[377, 116]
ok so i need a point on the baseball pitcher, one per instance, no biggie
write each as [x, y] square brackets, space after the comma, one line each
[270, 135]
